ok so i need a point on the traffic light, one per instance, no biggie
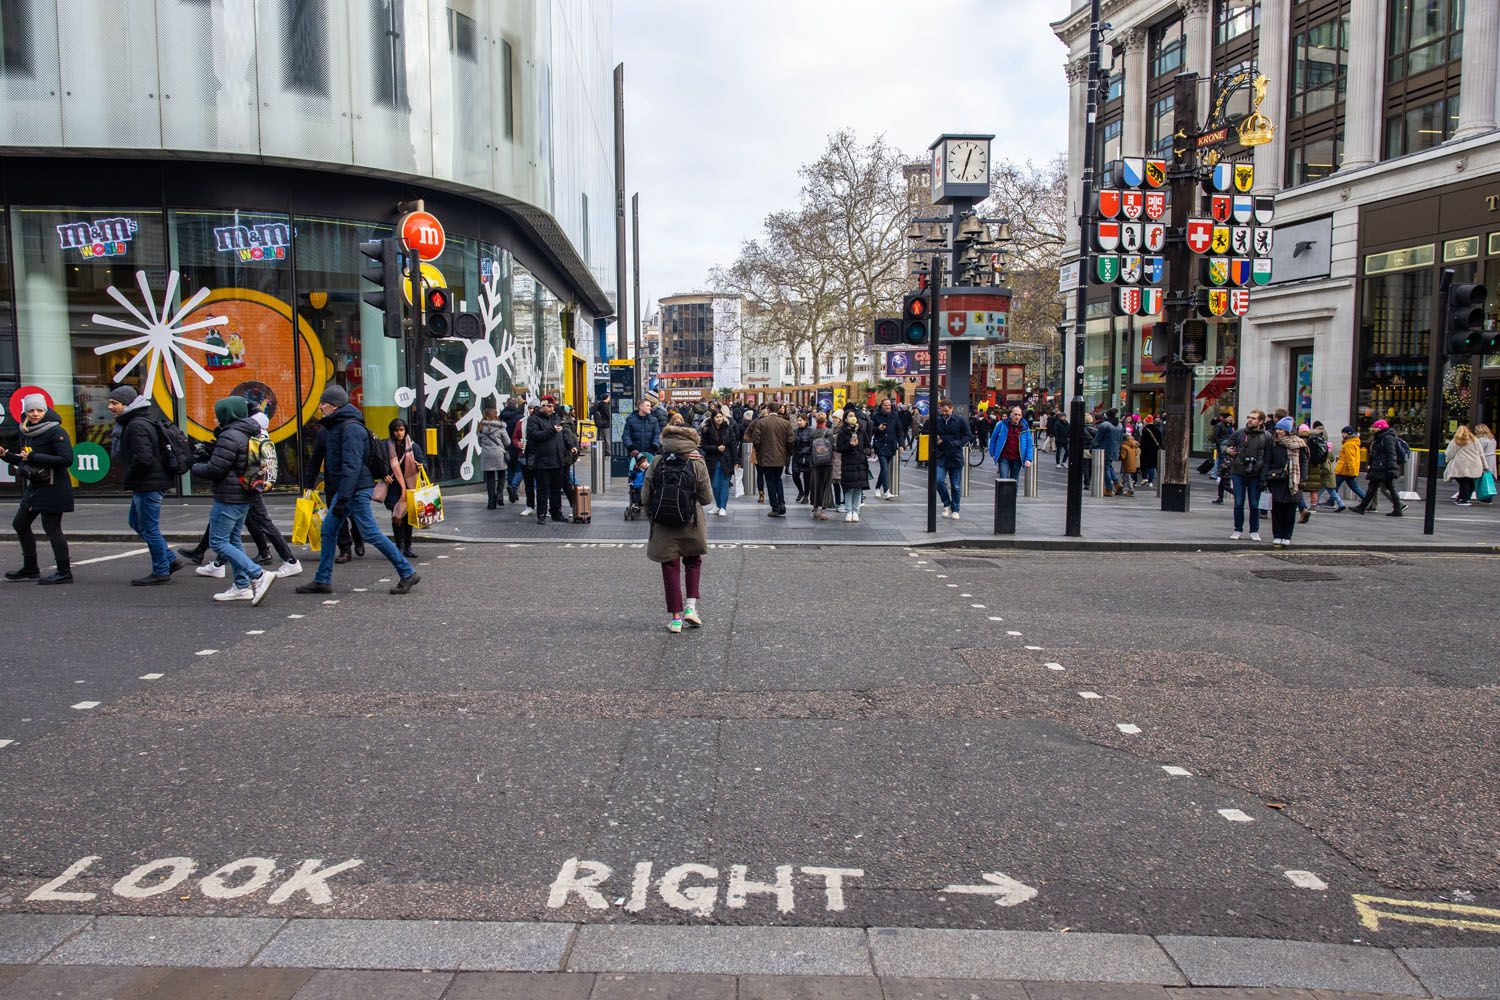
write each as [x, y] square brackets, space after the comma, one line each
[1195, 341]
[467, 325]
[914, 310]
[1163, 343]
[382, 268]
[887, 332]
[439, 312]
[1465, 320]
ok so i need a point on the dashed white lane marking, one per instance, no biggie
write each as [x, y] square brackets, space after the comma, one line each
[361, 590]
[119, 555]
[1128, 728]
[152, 677]
[255, 631]
[929, 570]
[334, 601]
[1090, 695]
[1177, 772]
[78, 682]
[1306, 880]
[1235, 816]
[294, 616]
[980, 606]
[386, 579]
[942, 576]
[965, 595]
[1012, 632]
[1053, 666]
[5, 743]
[996, 618]
[921, 562]
[914, 556]
[1034, 649]
[953, 585]
[442, 557]
[206, 652]
[84, 706]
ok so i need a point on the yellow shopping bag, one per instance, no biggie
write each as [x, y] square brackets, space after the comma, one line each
[424, 502]
[307, 524]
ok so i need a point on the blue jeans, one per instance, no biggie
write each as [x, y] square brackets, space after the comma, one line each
[854, 499]
[359, 512]
[516, 473]
[145, 520]
[1246, 489]
[1110, 479]
[1350, 481]
[1011, 468]
[883, 477]
[951, 491]
[225, 522]
[721, 487]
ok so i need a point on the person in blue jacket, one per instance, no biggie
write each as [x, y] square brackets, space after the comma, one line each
[1108, 439]
[1011, 445]
[642, 434]
[952, 433]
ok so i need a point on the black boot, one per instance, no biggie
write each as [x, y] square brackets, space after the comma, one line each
[61, 575]
[24, 573]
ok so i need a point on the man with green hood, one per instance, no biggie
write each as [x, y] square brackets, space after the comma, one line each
[223, 465]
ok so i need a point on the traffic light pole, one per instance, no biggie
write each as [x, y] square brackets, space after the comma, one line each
[1437, 357]
[418, 414]
[1073, 527]
[1175, 489]
[934, 288]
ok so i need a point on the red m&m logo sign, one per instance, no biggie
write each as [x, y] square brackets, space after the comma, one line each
[423, 234]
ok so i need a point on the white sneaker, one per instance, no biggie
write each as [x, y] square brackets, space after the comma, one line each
[215, 570]
[855, 516]
[527, 512]
[954, 515]
[289, 568]
[691, 616]
[723, 512]
[848, 517]
[1255, 536]
[890, 496]
[236, 594]
[1235, 536]
[947, 511]
[260, 586]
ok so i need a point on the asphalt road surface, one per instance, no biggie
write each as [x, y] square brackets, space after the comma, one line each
[1099, 742]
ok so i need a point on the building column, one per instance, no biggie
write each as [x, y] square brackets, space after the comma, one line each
[1362, 102]
[1476, 101]
[1199, 30]
[1078, 74]
[1274, 38]
[1133, 138]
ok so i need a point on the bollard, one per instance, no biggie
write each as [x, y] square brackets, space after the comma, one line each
[964, 474]
[747, 477]
[596, 482]
[1005, 506]
[1096, 485]
[895, 477]
[1028, 481]
[1410, 493]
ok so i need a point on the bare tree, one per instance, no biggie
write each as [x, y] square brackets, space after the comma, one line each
[1035, 200]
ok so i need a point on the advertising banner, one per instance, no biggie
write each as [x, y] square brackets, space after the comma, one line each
[622, 395]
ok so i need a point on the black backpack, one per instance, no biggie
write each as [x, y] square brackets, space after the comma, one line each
[376, 459]
[674, 492]
[176, 450]
[1317, 449]
[822, 450]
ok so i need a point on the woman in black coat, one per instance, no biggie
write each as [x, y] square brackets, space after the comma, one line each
[849, 445]
[41, 463]
[802, 458]
[720, 446]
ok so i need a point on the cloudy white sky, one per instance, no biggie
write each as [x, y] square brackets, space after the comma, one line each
[724, 99]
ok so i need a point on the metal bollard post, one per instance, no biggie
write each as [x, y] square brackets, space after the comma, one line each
[1096, 486]
[596, 481]
[1410, 493]
[1005, 506]
[964, 474]
[747, 477]
[895, 477]
[1029, 481]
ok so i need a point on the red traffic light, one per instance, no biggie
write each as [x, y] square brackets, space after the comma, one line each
[437, 298]
[917, 307]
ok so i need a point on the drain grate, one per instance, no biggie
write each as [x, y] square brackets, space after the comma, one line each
[1295, 575]
[1337, 558]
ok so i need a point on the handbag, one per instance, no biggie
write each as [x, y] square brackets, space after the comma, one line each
[424, 502]
[1485, 488]
[1204, 466]
[307, 521]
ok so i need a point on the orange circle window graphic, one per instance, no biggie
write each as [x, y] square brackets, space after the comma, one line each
[260, 366]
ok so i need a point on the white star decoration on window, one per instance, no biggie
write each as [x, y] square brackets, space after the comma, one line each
[159, 336]
[481, 369]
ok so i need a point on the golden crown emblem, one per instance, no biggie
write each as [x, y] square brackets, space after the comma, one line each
[1257, 129]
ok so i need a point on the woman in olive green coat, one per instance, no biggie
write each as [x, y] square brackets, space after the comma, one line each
[680, 549]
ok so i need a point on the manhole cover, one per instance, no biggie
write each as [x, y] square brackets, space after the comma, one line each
[1294, 575]
[960, 562]
[1337, 558]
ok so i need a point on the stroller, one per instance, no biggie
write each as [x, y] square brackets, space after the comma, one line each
[635, 510]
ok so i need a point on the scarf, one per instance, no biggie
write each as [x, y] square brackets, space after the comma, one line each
[1293, 444]
[41, 426]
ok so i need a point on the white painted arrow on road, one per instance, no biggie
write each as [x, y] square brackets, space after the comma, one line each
[1006, 890]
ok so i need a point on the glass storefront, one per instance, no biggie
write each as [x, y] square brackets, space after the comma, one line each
[262, 305]
[1395, 323]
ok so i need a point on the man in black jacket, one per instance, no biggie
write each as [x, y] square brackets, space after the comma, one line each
[347, 482]
[136, 447]
[223, 465]
[546, 456]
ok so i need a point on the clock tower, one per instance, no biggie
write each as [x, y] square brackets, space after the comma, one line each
[960, 167]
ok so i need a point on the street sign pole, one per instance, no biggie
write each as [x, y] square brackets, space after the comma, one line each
[1437, 359]
[1181, 262]
[1073, 525]
[934, 287]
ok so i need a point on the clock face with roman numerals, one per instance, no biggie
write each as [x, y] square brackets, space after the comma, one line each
[968, 162]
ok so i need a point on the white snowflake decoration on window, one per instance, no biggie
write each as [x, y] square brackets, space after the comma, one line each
[481, 370]
[159, 336]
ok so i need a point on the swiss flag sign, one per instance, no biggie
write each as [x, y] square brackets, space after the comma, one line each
[957, 324]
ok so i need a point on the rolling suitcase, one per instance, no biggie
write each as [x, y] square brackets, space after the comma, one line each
[583, 512]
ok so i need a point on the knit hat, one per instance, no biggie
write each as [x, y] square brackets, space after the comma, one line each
[1347, 430]
[261, 420]
[1302, 428]
[123, 394]
[33, 401]
[230, 408]
[1285, 424]
[1380, 425]
[334, 395]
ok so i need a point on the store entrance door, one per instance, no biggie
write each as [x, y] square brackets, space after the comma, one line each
[1489, 402]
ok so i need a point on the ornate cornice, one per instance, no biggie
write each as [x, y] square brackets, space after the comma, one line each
[1191, 7]
[1076, 70]
[1132, 39]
